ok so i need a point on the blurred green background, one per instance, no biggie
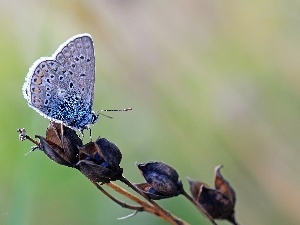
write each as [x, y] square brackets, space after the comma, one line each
[210, 82]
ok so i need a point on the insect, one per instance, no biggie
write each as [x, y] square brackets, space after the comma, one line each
[61, 87]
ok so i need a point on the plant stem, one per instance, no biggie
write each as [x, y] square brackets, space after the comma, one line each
[147, 207]
[123, 204]
[199, 207]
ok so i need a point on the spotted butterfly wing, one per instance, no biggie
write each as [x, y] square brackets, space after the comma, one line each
[61, 87]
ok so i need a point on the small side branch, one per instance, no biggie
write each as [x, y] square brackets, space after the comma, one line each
[147, 207]
[23, 136]
[122, 204]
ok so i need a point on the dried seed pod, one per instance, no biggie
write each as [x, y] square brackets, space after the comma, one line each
[99, 161]
[162, 180]
[218, 202]
[61, 144]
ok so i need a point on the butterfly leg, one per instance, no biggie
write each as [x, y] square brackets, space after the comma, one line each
[82, 134]
[90, 134]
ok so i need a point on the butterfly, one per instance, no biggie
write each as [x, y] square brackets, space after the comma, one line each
[61, 87]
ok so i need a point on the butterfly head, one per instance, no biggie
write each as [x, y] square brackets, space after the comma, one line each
[95, 117]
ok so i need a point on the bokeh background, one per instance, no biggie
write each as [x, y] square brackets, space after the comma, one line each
[210, 82]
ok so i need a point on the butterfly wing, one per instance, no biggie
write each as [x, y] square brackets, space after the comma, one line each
[78, 58]
[61, 87]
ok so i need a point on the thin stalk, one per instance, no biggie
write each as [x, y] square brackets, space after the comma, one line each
[147, 207]
[199, 207]
[123, 204]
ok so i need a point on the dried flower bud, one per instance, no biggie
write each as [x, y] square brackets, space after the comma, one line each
[99, 161]
[61, 144]
[218, 202]
[162, 180]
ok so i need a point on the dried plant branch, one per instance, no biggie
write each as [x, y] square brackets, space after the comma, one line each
[23, 136]
[123, 204]
[148, 208]
[100, 161]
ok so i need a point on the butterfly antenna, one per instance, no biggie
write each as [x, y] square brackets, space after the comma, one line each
[116, 110]
[113, 110]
